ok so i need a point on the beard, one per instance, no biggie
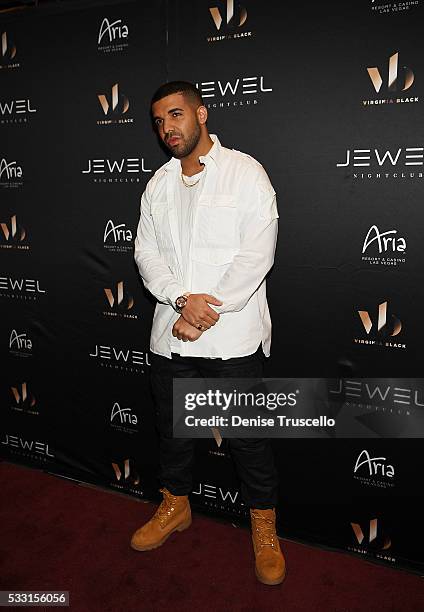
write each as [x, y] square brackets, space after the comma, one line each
[187, 145]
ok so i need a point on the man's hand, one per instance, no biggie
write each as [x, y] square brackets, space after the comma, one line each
[198, 312]
[184, 331]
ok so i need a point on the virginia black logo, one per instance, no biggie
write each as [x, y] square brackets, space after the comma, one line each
[383, 327]
[230, 18]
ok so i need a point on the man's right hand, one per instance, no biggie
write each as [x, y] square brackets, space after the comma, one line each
[198, 312]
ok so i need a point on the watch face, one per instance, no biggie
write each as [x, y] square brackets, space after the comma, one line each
[181, 301]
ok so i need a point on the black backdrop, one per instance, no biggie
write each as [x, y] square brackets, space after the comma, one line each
[343, 147]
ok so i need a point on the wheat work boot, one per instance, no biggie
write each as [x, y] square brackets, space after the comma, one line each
[173, 514]
[270, 566]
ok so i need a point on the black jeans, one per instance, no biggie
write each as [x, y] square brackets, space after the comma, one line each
[253, 457]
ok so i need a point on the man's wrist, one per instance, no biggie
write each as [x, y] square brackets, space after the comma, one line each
[181, 301]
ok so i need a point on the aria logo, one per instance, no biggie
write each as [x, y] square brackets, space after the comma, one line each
[386, 244]
[393, 84]
[384, 329]
[128, 360]
[19, 344]
[24, 400]
[228, 21]
[119, 302]
[126, 476]
[8, 52]
[123, 418]
[27, 448]
[112, 36]
[117, 238]
[118, 105]
[20, 288]
[372, 540]
[373, 470]
[10, 174]
[389, 164]
[113, 167]
[11, 112]
[229, 94]
[13, 235]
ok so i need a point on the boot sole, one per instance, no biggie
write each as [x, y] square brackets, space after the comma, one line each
[181, 527]
[270, 582]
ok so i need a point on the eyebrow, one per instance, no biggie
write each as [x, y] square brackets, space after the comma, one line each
[172, 110]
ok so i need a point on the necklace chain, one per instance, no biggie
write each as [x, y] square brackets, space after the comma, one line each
[191, 184]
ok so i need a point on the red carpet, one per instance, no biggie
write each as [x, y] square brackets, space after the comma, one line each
[58, 535]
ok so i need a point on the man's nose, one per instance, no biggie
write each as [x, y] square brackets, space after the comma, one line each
[167, 127]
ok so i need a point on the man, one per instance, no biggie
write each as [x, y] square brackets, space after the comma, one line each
[205, 242]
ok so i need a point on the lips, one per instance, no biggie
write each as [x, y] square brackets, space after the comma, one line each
[172, 141]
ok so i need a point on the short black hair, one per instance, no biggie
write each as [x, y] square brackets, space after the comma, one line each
[188, 90]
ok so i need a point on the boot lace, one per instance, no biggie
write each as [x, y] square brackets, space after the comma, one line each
[265, 530]
[166, 508]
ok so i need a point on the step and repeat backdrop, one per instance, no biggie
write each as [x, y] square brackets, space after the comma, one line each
[329, 98]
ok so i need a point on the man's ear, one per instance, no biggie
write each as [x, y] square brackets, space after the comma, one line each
[202, 114]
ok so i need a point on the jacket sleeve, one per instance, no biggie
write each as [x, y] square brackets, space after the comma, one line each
[258, 237]
[156, 275]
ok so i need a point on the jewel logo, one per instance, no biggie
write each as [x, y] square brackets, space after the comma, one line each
[410, 156]
[214, 492]
[119, 103]
[116, 170]
[125, 164]
[392, 84]
[382, 164]
[375, 394]
[14, 109]
[217, 18]
[213, 496]
[237, 91]
[119, 358]
[239, 85]
[24, 288]
[28, 448]
[382, 326]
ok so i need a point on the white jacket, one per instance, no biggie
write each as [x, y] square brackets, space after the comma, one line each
[233, 247]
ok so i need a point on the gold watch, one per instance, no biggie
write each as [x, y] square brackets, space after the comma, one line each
[181, 301]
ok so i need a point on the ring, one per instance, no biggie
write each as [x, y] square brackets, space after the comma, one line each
[200, 327]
